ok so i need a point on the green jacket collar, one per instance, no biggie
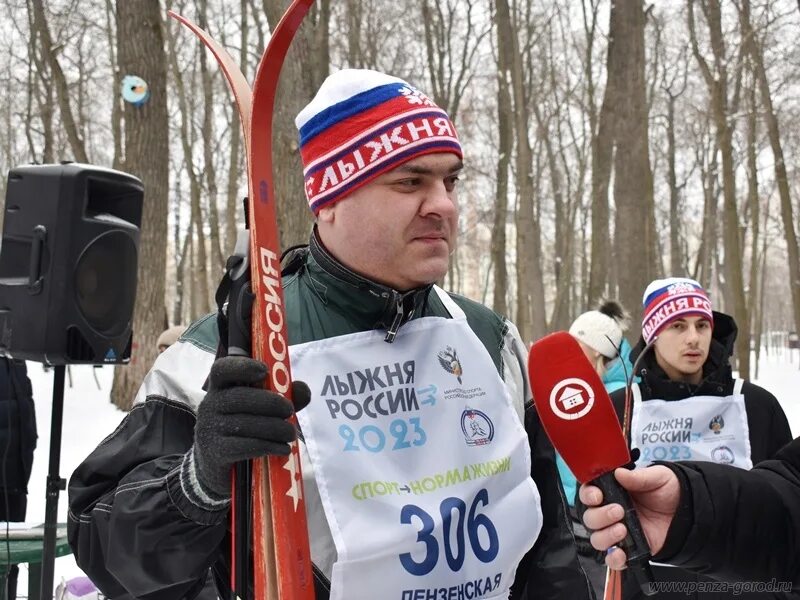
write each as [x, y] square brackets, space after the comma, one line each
[369, 304]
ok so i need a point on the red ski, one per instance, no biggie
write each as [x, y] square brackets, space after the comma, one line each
[282, 564]
[282, 560]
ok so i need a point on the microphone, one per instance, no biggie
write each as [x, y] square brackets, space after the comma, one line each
[580, 420]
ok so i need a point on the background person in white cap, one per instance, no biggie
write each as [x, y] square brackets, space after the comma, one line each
[600, 333]
[426, 471]
[169, 336]
[687, 405]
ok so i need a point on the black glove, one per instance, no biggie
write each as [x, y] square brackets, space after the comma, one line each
[236, 421]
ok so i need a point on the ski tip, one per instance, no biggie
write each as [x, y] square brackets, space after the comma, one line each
[178, 17]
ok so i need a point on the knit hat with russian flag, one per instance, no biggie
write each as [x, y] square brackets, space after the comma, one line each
[363, 123]
[668, 299]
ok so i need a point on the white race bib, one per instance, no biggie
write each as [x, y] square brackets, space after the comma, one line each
[707, 428]
[422, 464]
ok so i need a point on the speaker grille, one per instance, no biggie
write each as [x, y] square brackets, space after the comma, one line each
[78, 349]
[105, 282]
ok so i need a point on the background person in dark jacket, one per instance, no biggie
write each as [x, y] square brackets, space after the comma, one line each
[17, 443]
[724, 522]
[687, 405]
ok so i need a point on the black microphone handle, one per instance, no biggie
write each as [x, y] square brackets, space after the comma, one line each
[635, 543]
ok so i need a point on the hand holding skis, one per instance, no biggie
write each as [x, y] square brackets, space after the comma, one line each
[655, 493]
[237, 421]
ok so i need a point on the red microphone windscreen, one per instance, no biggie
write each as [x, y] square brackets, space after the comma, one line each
[574, 408]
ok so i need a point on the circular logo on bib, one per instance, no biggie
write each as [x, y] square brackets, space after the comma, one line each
[477, 427]
[722, 455]
[571, 398]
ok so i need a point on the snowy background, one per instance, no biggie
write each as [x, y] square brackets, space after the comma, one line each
[89, 417]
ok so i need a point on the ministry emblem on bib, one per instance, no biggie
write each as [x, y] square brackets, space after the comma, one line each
[722, 455]
[717, 424]
[450, 363]
[478, 428]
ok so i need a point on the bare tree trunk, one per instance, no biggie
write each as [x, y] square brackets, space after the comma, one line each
[563, 235]
[40, 87]
[179, 253]
[355, 55]
[79, 96]
[580, 298]
[8, 145]
[675, 258]
[200, 272]
[753, 202]
[116, 105]
[708, 176]
[30, 92]
[322, 40]
[551, 132]
[602, 155]
[140, 40]
[233, 199]
[235, 173]
[759, 329]
[450, 78]
[180, 274]
[773, 131]
[635, 237]
[505, 126]
[42, 32]
[717, 83]
[217, 260]
[194, 311]
[531, 318]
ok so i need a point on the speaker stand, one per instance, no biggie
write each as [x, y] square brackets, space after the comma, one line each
[54, 485]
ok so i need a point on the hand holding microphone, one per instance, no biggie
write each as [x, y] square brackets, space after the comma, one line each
[578, 417]
[655, 493]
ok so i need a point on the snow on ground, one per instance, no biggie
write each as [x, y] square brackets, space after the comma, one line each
[780, 374]
[89, 417]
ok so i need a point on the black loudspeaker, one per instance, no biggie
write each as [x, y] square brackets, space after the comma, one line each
[68, 264]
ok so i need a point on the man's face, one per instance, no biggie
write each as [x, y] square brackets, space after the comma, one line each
[682, 348]
[399, 228]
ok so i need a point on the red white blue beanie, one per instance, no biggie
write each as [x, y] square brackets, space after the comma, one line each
[668, 299]
[363, 123]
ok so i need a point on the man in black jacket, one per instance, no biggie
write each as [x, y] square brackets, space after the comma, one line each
[688, 406]
[735, 525]
[17, 443]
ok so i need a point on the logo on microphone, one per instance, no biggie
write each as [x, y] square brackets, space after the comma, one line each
[571, 399]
